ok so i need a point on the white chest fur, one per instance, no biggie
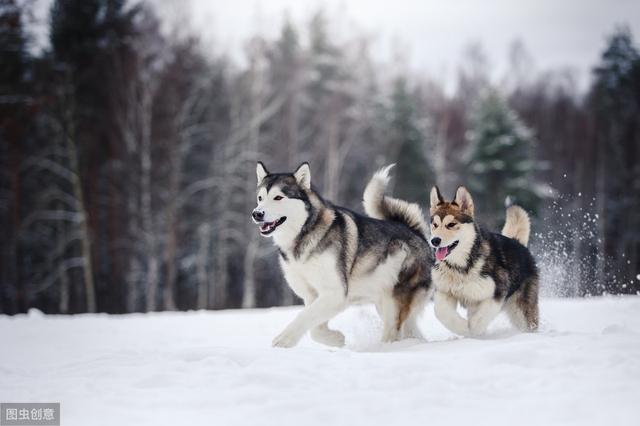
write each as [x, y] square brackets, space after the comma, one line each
[314, 276]
[470, 287]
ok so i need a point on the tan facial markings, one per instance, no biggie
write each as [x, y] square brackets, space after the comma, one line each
[449, 221]
[445, 227]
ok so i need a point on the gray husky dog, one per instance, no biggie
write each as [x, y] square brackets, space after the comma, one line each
[484, 271]
[332, 257]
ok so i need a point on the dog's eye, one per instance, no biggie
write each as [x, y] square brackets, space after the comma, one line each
[451, 225]
[259, 198]
[434, 225]
[277, 197]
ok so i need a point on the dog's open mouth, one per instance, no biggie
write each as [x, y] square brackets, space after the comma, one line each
[442, 252]
[268, 227]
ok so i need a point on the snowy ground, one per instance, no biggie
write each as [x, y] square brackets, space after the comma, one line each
[217, 368]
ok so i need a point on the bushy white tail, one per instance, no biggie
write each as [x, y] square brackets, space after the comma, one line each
[517, 225]
[380, 206]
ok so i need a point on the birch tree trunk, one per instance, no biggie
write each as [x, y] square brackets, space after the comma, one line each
[171, 242]
[249, 295]
[218, 286]
[63, 301]
[202, 260]
[257, 93]
[333, 160]
[132, 276]
[78, 192]
[601, 203]
[148, 222]
[293, 148]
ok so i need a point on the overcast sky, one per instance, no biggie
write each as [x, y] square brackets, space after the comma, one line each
[557, 33]
[433, 33]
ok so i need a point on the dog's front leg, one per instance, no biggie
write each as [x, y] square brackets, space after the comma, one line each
[482, 315]
[445, 306]
[321, 333]
[322, 309]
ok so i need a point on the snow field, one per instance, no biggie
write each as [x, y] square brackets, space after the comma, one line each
[217, 368]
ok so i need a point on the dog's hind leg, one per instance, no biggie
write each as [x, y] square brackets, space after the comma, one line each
[515, 314]
[390, 313]
[383, 308]
[529, 303]
[532, 314]
[409, 328]
[393, 303]
[522, 307]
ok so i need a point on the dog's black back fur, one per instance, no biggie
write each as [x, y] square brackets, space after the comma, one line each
[508, 263]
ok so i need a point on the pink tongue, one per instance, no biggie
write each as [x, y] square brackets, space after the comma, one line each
[441, 253]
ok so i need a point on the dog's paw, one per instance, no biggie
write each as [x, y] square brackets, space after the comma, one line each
[413, 333]
[328, 337]
[390, 335]
[476, 329]
[286, 339]
[462, 332]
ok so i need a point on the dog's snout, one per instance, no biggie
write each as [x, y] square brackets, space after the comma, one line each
[435, 241]
[257, 214]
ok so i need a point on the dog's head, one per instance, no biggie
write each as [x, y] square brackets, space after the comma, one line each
[451, 221]
[282, 200]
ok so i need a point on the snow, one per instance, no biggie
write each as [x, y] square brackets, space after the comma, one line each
[582, 368]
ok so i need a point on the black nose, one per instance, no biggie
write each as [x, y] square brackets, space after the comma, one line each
[257, 214]
[435, 241]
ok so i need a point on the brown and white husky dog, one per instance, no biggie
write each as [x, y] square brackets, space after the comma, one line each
[332, 257]
[484, 271]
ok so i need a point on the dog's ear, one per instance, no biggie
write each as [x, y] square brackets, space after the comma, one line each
[464, 201]
[303, 175]
[261, 171]
[436, 197]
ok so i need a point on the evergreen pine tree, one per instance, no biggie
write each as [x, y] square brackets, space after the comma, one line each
[414, 174]
[93, 46]
[13, 52]
[286, 78]
[325, 60]
[89, 37]
[615, 107]
[501, 163]
[15, 124]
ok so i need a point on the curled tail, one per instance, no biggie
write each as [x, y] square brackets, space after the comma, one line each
[380, 206]
[517, 224]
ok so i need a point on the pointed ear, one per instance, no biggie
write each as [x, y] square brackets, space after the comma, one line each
[464, 200]
[261, 171]
[436, 197]
[303, 175]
